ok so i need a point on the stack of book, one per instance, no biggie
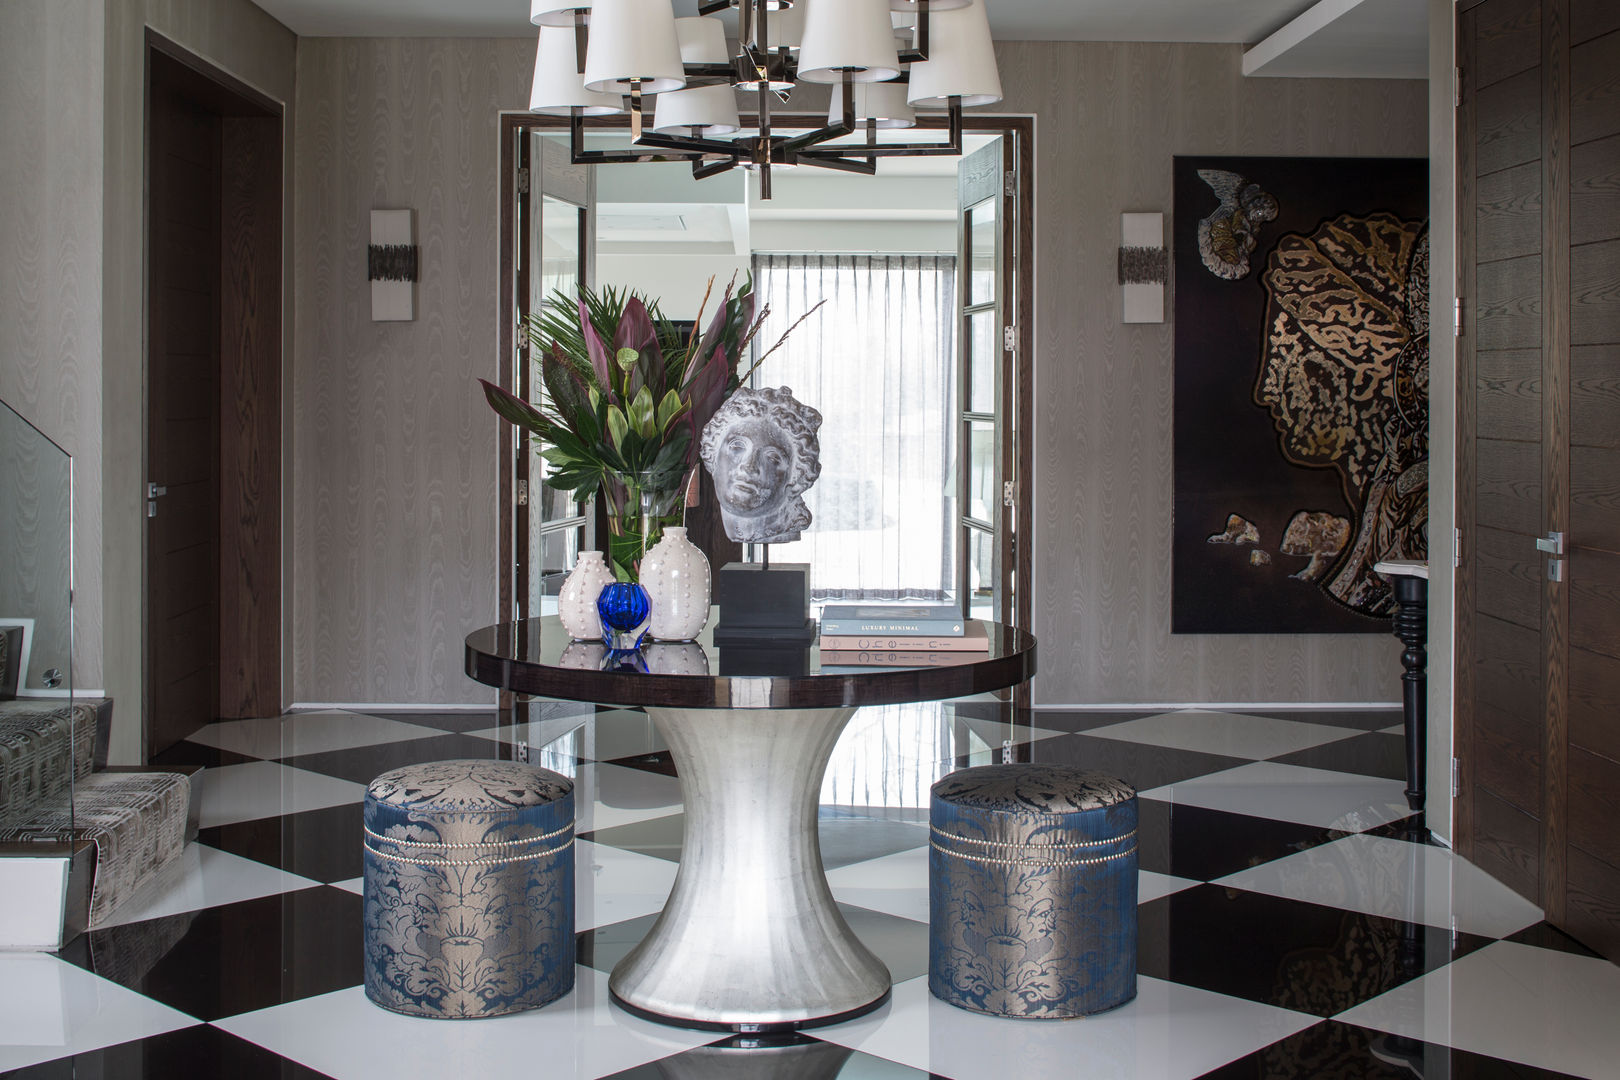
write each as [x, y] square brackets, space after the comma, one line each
[887, 635]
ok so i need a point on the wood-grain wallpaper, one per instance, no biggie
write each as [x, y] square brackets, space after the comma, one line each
[1110, 118]
[50, 262]
[395, 453]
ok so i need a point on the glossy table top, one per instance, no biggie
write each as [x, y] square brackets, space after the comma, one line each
[537, 657]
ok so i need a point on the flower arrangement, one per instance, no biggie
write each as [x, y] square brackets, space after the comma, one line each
[626, 400]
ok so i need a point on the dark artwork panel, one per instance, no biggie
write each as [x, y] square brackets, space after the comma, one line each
[1301, 390]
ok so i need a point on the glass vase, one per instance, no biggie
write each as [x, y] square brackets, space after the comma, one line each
[639, 507]
[624, 608]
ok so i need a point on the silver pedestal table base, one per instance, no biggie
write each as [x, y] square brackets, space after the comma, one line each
[750, 938]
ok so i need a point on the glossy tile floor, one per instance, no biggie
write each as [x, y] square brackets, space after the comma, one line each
[1293, 923]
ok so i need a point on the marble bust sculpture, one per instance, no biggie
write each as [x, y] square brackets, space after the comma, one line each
[761, 448]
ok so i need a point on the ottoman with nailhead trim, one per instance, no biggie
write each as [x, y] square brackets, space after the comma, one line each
[1032, 891]
[469, 888]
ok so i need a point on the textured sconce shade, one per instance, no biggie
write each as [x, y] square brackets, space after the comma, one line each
[557, 86]
[961, 60]
[848, 35]
[556, 12]
[702, 40]
[633, 39]
[884, 102]
[712, 108]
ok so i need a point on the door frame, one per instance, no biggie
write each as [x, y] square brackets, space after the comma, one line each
[252, 273]
[1020, 371]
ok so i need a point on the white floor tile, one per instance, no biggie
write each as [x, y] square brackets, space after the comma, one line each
[612, 885]
[345, 1036]
[1380, 876]
[1398, 729]
[583, 737]
[205, 877]
[257, 789]
[307, 733]
[898, 884]
[609, 795]
[50, 1009]
[1329, 800]
[1170, 1032]
[1228, 734]
[355, 885]
[1536, 1006]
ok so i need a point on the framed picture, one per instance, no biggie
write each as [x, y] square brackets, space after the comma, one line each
[1301, 390]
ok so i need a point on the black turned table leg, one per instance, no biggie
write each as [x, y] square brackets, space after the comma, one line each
[1411, 621]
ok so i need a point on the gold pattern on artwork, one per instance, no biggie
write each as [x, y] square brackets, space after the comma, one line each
[1344, 373]
[1239, 530]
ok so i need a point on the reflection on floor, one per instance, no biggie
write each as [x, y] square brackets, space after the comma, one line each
[1292, 922]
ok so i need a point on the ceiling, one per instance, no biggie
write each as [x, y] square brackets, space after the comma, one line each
[1245, 21]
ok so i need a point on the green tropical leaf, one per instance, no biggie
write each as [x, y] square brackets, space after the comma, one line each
[642, 414]
[617, 426]
[669, 409]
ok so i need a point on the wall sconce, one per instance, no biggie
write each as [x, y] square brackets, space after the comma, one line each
[391, 265]
[1144, 267]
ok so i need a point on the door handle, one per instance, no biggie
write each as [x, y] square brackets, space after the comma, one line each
[153, 493]
[1552, 543]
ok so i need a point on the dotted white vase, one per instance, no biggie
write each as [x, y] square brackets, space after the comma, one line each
[576, 603]
[676, 658]
[675, 574]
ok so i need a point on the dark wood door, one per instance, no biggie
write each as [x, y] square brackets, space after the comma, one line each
[1538, 632]
[183, 393]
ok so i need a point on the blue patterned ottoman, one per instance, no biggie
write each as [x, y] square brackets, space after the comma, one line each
[469, 888]
[1032, 891]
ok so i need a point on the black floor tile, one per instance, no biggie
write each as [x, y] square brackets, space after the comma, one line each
[753, 1057]
[1546, 936]
[1361, 719]
[203, 1052]
[1370, 754]
[1138, 764]
[362, 764]
[1332, 1049]
[1192, 842]
[186, 753]
[1078, 720]
[659, 837]
[901, 944]
[321, 844]
[660, 761]
[458, 722]
[237, 958]
[1288, 953]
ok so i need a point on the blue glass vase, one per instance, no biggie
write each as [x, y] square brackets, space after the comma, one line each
[624, 608]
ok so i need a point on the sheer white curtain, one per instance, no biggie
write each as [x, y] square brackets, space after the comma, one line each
[878, 361]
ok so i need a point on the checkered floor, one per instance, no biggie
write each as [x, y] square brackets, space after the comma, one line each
[1291, 923]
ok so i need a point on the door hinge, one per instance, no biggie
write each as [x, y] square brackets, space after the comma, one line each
[523, 181]
[1456, 87]
[1009, 339]
[1457, 318]
[1456, 778]
[1008, 497]
[1009, 184]
[523, 493]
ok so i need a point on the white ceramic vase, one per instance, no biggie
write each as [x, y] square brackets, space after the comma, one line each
[576, 603]
[676, 658]
[675, 574]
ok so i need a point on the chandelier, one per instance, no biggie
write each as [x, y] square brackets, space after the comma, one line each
[607, 57]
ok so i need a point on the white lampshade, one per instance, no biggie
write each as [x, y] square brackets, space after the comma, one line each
[712, 108]
[702, 40]
[785, 28]
[556, 12]
[557, 86]
[633, 39]
[848, 35]
[933, 5]
[961, 60]
[884, 102]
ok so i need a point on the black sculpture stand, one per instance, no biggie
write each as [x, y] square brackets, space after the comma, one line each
[764, 605]
[1411, 621]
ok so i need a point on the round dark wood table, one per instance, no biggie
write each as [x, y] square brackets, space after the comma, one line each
[750, 939]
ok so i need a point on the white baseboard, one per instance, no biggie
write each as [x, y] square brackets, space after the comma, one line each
[1225, 706]
[391, 706]
[60, 694]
